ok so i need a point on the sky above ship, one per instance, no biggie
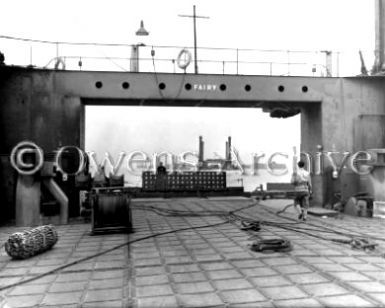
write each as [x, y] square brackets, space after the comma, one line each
[344, 25]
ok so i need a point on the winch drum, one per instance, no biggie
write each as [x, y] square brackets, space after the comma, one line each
[111, 212]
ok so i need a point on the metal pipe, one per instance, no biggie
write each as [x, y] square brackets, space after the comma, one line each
[30, 55]
[237, 59]
[60, 197]
[195, 43]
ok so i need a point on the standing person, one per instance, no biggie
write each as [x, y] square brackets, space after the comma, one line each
[161, 169]
[302, 183]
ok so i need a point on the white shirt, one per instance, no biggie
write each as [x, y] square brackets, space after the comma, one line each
[302, 180]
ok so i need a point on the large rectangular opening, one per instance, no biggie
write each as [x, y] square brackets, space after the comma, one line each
[261, 146]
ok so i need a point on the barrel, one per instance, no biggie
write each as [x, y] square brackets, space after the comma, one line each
[111, 211]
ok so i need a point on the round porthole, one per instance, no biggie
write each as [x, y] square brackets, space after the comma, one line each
[281, 88]
[222, 87]
[98, 84]
[247, 88]
[304, 89]
[125, 85]
[162, 86]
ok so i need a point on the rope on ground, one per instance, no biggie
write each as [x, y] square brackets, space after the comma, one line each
[329, 229]
[278, 244]
[285, 208]
[353, 240]
[156, 210]
[2, 288]
[271, 245]
[251, 224]
[184, 213]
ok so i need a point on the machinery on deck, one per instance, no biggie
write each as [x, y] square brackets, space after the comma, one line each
[276, 191]
[111, 210]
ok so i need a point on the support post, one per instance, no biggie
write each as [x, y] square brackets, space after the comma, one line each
[60, 196]
[28, 195]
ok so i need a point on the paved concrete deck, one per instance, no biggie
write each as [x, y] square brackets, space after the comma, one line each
[204, 267]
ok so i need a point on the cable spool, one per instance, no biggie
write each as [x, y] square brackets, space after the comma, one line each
[110, 210]
[23, 245]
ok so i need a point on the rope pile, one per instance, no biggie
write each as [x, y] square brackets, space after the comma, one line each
[22, 245]
[271, 245]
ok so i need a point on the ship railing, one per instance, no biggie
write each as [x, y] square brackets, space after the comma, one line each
[159, 59]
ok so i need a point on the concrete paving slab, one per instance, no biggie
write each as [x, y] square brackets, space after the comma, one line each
[211, 266]
[350, 300]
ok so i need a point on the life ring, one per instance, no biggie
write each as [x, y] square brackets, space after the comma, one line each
[184, 58]
[15, 157]
[60, 62]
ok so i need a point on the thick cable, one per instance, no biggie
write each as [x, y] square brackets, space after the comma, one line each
[104, 252]
[230, 215]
